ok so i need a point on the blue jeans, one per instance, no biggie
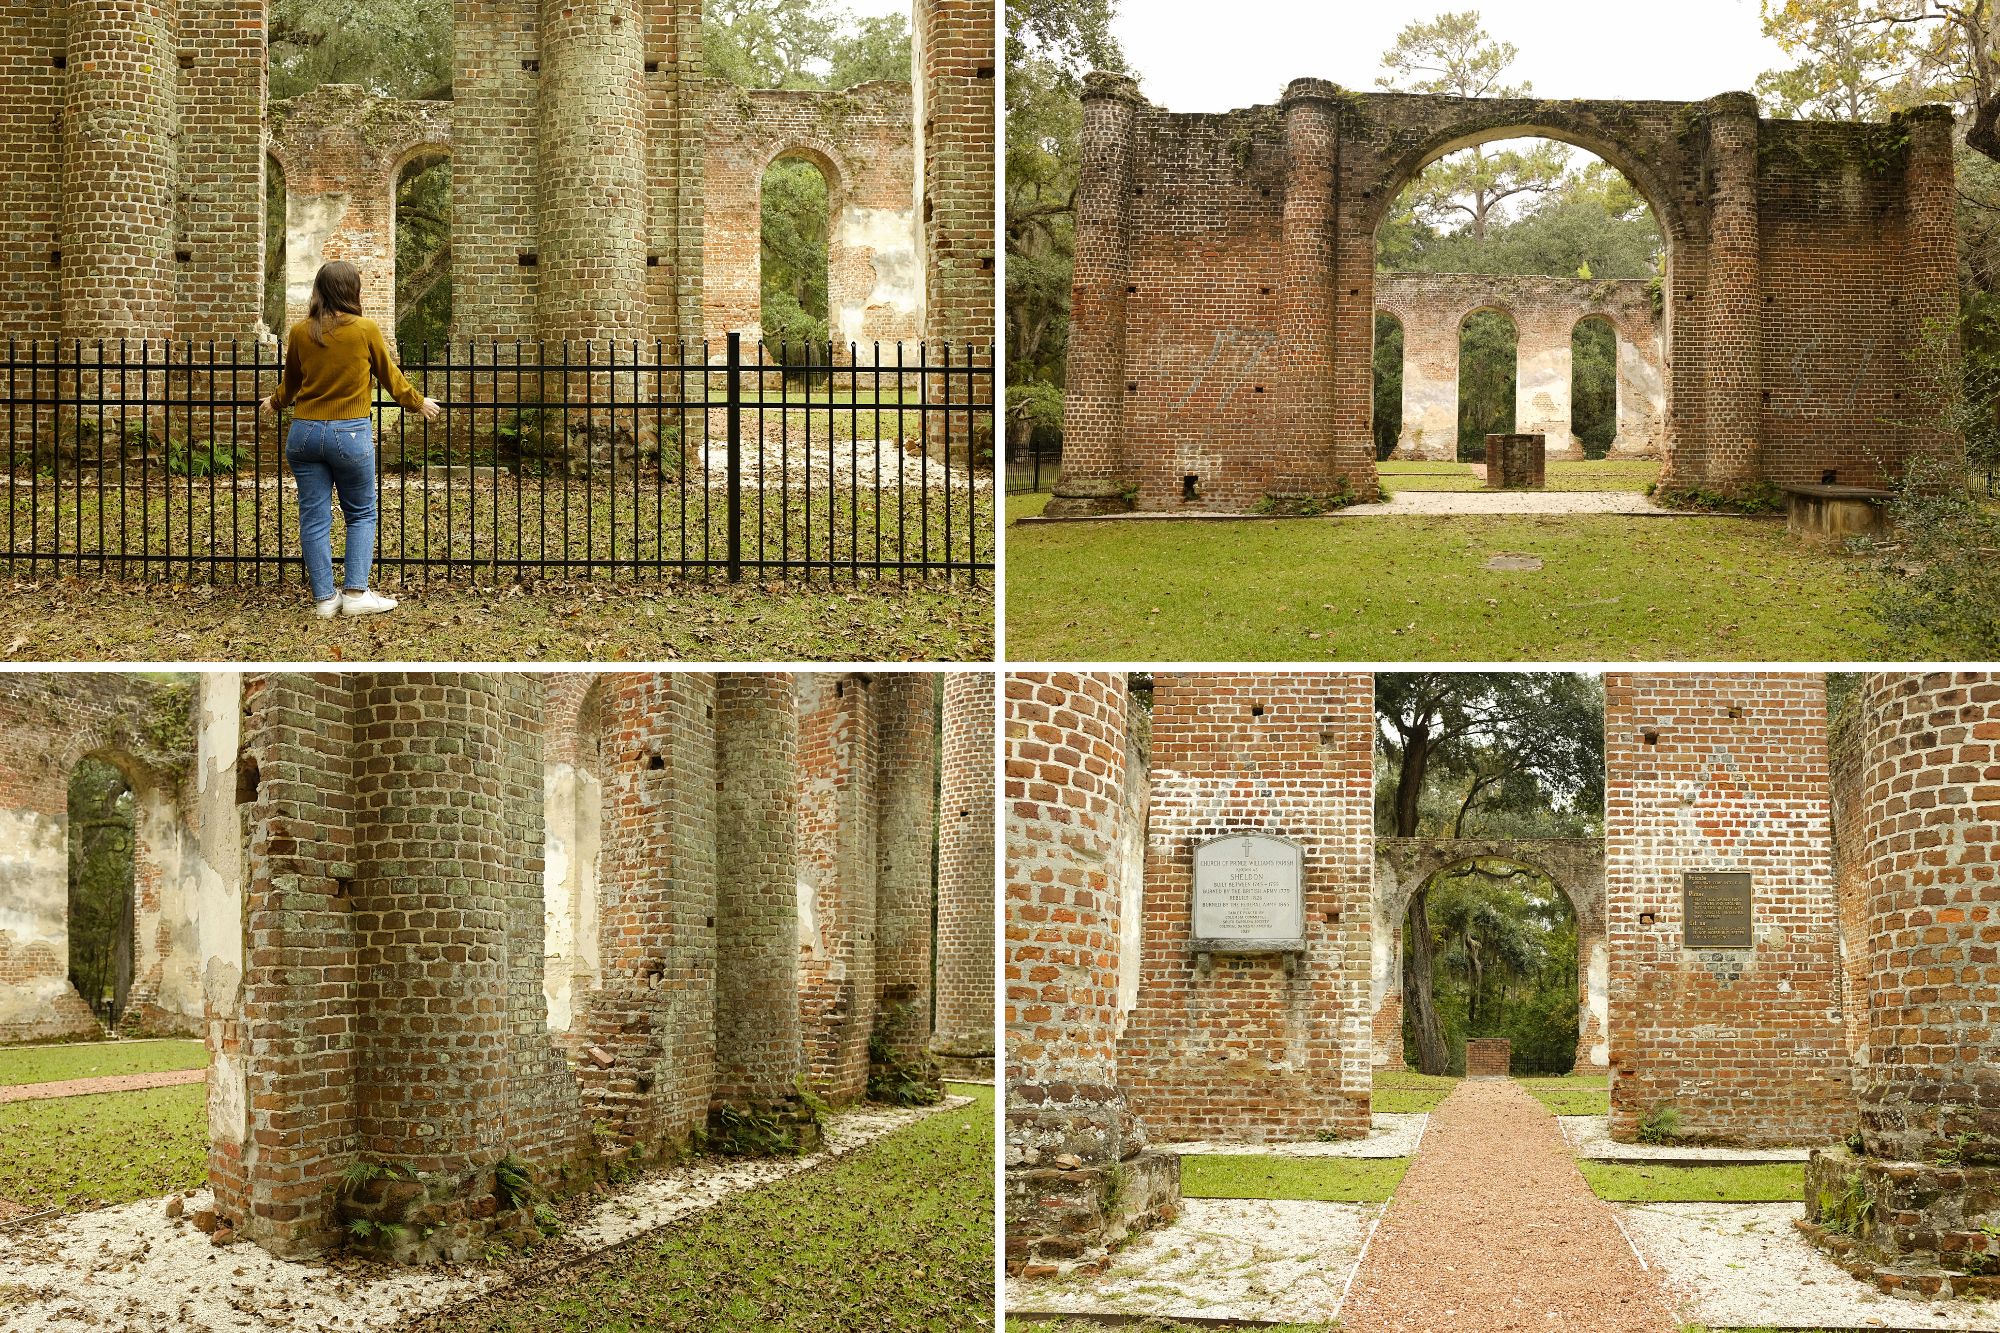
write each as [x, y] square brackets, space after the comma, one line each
[327, 456]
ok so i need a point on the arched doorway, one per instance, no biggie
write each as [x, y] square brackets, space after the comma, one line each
[1601, 178]
[1570, 867]
[796, 209]
[1388, 416]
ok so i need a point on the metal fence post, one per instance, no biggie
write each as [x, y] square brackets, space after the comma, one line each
[734, 389]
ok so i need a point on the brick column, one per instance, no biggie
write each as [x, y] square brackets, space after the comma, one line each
[954, 57]
[1076, 1171]
[1095, 472]
[1933, 874]
[431, 849]
[1306, 293]
[1917, 1211]
[1734, 300]
[964, 1036]
[592, 141]
[118, 170]
[757, 1043]
[1930, 258]
[906, 804]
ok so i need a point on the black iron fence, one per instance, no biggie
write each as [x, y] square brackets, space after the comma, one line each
[153, 460]
[1034, 464]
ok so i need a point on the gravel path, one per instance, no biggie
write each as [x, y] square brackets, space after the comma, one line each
[80, 1087]
[1403, 503]
[1494, 1231]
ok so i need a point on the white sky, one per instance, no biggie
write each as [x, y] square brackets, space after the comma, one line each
[1196, 55]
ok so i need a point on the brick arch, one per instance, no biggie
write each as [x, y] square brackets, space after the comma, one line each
[1574, 865]
[1220, 251]
[862, 141]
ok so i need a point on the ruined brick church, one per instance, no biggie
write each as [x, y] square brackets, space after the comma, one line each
[1854, 990]
[603, 186]
[431, 922]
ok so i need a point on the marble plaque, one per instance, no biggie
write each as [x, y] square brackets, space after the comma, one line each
[1249, 895]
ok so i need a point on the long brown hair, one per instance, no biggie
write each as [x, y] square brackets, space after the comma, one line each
[336, 295]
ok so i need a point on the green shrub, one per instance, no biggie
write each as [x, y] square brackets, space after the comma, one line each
[1937, 579]
[1660, 1124]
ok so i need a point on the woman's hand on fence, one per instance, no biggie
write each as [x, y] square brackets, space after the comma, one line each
[266, 405]
[431, 410]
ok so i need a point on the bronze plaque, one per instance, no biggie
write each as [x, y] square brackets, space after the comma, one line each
[1715, 909]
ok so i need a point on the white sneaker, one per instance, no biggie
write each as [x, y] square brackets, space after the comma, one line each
[365, 603]
[327, 609]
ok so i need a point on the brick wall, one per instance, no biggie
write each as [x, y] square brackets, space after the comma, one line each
[1432, 309]
[860, 139]
[581, 138]
[1846, 770]
[343, 152]
[1488, 1057]
[1259, 1045]
[1224, 310]
[964, 1035]
[1723, 772]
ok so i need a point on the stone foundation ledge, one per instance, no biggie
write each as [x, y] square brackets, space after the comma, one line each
[1910, 1228]
[1070, 1220]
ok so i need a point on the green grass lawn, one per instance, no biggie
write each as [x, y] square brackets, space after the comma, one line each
[80, 1153]
[91, 619]
[1267, 1176]
[98, 1059]
[1379, 589]
[1762, 1182]
[896, 1238]
[1405, 1090]
[1604, 474]
[1571, 1094]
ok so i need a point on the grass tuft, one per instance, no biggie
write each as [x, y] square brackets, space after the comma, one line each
[1571, 1094]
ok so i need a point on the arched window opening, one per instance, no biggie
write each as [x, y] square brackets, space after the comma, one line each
[573, 812]
[1487, 373]
[274, 247]
[1388, 383]
[423, 254]
[1593, 380]
[102, 847]
[795, 219]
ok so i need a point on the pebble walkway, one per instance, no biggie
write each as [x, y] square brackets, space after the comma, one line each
[1494, 1231]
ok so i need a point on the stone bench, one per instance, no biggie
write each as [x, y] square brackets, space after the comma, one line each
[1827, 512]
[1516, 462]
[1488, 1057]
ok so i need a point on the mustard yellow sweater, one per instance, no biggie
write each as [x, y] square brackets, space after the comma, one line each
[330, 383]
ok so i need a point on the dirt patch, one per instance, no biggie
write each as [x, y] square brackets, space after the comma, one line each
[1494, 1231]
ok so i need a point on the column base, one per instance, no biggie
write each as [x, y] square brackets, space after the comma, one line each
[1065, 1219]
[1088, 497]
[1911, 1228]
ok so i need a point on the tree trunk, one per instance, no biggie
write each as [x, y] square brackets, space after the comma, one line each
[1418, 1002]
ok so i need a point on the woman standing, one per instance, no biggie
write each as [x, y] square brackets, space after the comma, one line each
[329, 359]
